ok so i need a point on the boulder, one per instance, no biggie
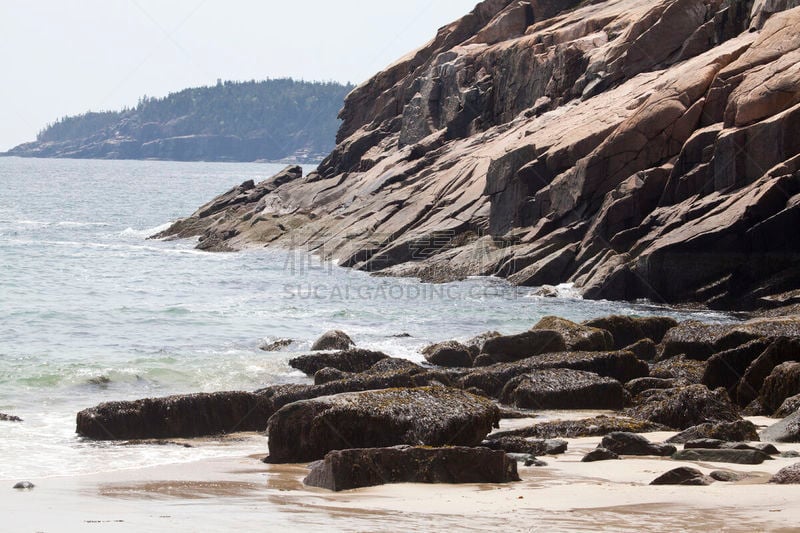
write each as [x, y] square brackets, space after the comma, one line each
[563, 388]
[578, 338]
[787, 476]
[683, 476]
[783, 350]
[24, 485]
[623, 443]
[742, 457]
[328, 374]
[509, 348]
[475, 344]
[741, 430]
[726, 368]
[333, 340]
[645, 349]
[782, 383]
[789, 407]
[433, 416]
[684, 407]
[622, 366]
[639, 385]
[353, 360]
[599, 454]
[680, 367]
[354, 468]
[716, 444]
[588, 427]
[727, 476]
[194, 415]
[628, 330]
[9, 418]
[691, 338]
[787, 430]
[448, 354]
[531, 447]
[395, 376]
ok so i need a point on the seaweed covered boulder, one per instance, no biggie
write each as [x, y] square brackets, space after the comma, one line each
[526, 446]
[739, 431]
[588, 427]
[448, 354]
[679, 367]
[509, 348]
[333, 340]
[193, 415]
[782, 383]
[622, 366]
[726, 368]
[352, 360]
[684, 407]
[367, 467]
[628, 330]
[691, 338]
[787, 476]
[432, 416]
[563, 388]
[577, 337]
[782, 350]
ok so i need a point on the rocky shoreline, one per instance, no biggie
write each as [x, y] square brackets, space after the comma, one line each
[371, 418]
[636, 149]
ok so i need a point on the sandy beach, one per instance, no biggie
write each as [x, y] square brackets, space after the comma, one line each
[229, 493]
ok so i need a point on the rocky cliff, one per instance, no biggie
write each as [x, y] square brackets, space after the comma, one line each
[635, 148]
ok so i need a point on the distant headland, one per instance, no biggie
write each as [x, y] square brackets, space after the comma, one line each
[270, 120]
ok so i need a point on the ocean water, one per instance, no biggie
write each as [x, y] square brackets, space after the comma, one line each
[93, 311]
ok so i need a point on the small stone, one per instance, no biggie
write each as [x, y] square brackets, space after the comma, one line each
[683, 476]
[24, 485]
[535, 462]
[727, 476]
[599, 454]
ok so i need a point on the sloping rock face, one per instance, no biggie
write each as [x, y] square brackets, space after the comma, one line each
[636, 148]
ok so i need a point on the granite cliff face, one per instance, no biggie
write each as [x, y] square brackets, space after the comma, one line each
[638, 149]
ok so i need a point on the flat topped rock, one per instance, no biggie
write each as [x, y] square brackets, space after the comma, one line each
[563, 388]
[742, 457]
[433, 416]
[354, 468]
[352, 360]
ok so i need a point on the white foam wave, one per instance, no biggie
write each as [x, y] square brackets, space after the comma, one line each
[144, 233]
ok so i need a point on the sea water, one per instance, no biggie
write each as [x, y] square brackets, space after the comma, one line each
[91, 310]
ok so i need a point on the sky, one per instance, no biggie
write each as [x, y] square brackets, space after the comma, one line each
[62, 58]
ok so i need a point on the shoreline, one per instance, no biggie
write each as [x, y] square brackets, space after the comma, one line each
[565, 495]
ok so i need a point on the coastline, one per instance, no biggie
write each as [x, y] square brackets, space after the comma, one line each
[565, 495]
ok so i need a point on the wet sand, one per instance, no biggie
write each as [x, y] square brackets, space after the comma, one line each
[242, 492]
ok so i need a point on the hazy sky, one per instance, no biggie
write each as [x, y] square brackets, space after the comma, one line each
[65, 57]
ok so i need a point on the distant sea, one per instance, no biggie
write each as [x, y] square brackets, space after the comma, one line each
[93, 311]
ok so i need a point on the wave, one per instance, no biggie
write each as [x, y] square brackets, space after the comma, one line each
[145, 233]
[50, 223]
